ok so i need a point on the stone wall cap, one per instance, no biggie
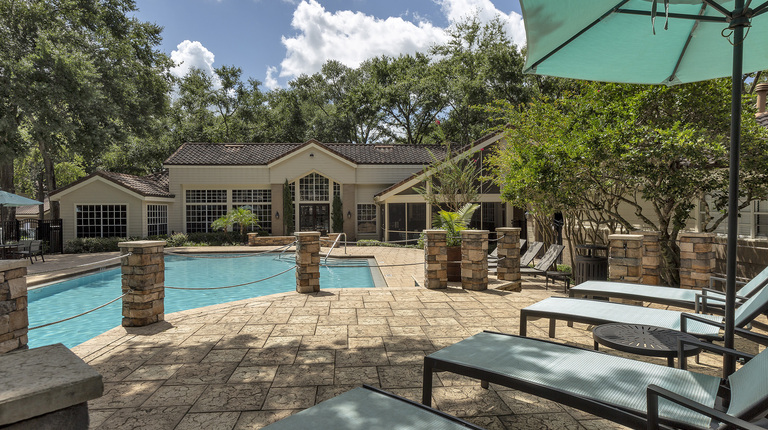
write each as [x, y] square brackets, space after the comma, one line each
[436, 230]
[625, 237]
[12, 264]
[508, 229]
[142, 244]
[695, 234]
[307, 233]
[474, 231]
[42, 380]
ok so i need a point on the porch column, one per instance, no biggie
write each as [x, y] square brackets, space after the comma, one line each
[307, 262]
[144, 275]
[508, 263]
[435, 259]
[697, 259]
[474, 260]
[14, 320]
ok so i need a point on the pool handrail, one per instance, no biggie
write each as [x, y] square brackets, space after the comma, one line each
[325, 260]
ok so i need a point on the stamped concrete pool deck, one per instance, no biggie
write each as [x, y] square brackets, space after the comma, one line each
[245, 364]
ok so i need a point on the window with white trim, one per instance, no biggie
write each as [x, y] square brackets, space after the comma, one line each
[313, 188]
[366, 218]
[257, 201]
[204, 209]
[101, 220]
[157, 220]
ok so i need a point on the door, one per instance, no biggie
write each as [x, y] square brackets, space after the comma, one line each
[314, 217]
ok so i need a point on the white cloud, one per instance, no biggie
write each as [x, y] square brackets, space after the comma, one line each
[190, 55]
[456, 10]
[349, 37]
[270, 81]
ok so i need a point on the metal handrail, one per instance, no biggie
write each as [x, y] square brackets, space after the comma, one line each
[325, 260]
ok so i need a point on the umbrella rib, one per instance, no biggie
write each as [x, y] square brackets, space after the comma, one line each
[718, 8]
[760, 9]
[575, 36]
[676, 15]
[685, 47]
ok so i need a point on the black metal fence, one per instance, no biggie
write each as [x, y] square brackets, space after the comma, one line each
[48, 230]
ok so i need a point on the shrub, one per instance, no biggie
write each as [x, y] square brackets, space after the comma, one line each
[373, 242]
[93, 244]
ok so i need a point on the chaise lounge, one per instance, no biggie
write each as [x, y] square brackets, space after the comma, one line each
[599, 312]
[368, 408]
[700, 300]
[629, 392]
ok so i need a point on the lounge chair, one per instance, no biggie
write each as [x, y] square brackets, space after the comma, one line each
[599, 312]
[622, 390]
[32, 248]
[699, 300]
[546, 261]
[533, 250]
[368, 408]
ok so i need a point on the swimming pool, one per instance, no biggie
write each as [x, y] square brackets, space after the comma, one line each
[65, 299]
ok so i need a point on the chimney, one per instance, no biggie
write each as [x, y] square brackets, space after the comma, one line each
[762, 91]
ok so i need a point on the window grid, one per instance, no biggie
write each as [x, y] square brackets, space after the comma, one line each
[313, 188]
[366, 218]
[252, 196]
[262, 212]
[101, 221]
[206, 196]
[336, 189]
[200, 217]
[157, 220]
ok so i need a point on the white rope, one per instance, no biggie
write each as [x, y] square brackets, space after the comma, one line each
[248, 255]
[84, 313]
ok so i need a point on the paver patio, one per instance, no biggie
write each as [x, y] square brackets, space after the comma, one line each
[245, 364]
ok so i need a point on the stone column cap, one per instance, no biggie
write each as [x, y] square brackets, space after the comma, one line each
[307, 233]
[142, 244]
[695, 234]
[625, 237]
[13, 264]
[508, 229]
[475, 232]
[42, 380]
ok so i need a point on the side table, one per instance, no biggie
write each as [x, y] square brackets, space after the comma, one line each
[647, 340]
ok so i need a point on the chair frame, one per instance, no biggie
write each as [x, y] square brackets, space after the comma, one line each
[631, 418]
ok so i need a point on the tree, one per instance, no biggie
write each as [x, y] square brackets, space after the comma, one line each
[242, 217]
[610, 149]
[337, 221]
[77, 76]
[452, 182]
[289, 222]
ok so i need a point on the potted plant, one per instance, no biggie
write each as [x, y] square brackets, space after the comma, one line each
[453, 223]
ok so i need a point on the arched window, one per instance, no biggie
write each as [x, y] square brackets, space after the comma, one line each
[313, 188]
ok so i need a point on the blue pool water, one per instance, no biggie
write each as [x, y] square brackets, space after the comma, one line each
[65, 299]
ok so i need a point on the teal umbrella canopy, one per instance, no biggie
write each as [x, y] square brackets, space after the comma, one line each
[666, 42]
[10, 199]
[614, 40]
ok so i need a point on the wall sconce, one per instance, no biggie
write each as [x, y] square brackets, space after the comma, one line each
[277, 215]
[349, 214]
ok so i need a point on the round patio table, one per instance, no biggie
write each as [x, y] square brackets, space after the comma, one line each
[647, 340]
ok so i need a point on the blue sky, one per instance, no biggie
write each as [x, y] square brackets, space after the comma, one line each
[276, 40]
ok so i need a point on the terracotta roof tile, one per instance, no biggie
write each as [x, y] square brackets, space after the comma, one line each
[154, 185]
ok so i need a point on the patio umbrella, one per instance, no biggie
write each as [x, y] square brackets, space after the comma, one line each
[656, 42]
[10, 199]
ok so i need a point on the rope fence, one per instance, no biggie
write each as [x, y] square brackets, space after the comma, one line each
[233, 286]
[81, 314]
[248, 255]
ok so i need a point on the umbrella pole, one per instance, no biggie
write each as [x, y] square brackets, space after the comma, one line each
[729, 363]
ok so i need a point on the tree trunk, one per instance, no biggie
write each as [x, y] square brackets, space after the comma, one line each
[50, 176]
[6, 184]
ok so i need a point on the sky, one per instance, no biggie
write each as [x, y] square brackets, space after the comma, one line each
[275, 41]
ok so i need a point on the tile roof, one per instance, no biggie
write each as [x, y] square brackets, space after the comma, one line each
[154, 185]
[221, 154]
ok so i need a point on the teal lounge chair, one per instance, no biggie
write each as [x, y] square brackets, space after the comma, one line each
[599, 312]
[368, 408]
[619, 389]
[705, 300]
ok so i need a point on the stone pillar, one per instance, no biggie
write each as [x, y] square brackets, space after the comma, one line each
[651, 274]
[474, 260]
[435, 259]
[625, 258]
[14, 321]
[144, 275]
[307, 262]
[697, 259]
[508, 265]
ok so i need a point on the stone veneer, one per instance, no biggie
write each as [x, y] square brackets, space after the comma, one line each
[508, 263]
[651, 274]
[255, 240]
[435, 259]
[14, 321]
[474, 260]
[625, 258]
[697, 259]
[307, 262]
[144, 276]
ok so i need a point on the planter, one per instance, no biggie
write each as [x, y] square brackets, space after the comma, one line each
[454, 263]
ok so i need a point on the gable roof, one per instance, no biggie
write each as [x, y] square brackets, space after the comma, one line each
[257, 154]
[154, 185]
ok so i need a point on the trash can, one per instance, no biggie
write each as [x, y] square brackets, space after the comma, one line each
[590, 263]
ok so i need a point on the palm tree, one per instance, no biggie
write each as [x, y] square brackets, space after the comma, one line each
[455, 222]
